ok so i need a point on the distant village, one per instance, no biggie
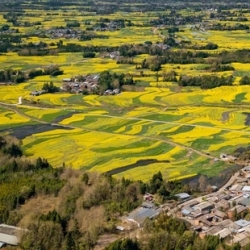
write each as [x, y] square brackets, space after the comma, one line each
[84, 84]
[67, 33]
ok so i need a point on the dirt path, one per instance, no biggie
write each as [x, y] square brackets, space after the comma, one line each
[156, 32]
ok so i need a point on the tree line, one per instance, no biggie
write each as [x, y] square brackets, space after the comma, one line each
[17, 76]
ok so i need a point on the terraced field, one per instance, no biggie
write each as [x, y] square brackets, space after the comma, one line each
[161, 127]
[182, 132]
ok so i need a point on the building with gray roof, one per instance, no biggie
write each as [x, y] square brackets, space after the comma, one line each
[9, 235]
[183, 196]
[245, 202]
[242, 223]
[139, 215]
[247, 168]
[204, 206]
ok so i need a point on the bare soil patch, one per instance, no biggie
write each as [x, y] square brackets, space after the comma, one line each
[24, 131]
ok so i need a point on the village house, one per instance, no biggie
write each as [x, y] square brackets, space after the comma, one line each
[62, 32]
[219, 214]
[241, 238]
[236, 188]
[78, 84]
[148, 197]
[245, 202]
[204, 207]
[238, 209]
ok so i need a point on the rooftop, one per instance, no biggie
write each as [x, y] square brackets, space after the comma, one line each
[203, 205]
[247, 168]
[219, 213]
[242, 223]
[246, 188]
[183, 195]
[140, 214]
[239, 208]
[9, 234]
[223, 233]
[245, 202]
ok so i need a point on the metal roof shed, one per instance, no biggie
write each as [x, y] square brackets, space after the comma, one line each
[185, 212]
[183, 196]
[141, 214]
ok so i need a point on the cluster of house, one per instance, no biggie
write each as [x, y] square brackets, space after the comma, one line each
[64, 33]
[114, 55]
[112, 92]
[222, 214]
[161, 46]
[37, 92]
[148, 210]
[111, 26]
[81, 83]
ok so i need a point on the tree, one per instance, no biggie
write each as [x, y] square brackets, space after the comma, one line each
[245, 80]
[202, 183]
[89, 54]
[85, 178]
[124, 244]
[13, 150]
[50, 87]
[43, 236]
